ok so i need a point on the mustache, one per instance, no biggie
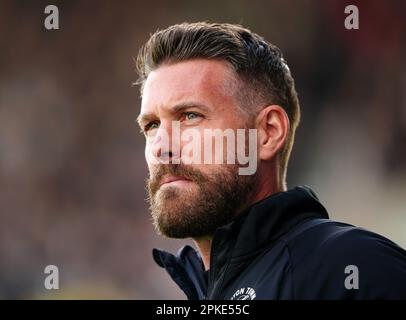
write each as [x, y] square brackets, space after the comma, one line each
[181, 170]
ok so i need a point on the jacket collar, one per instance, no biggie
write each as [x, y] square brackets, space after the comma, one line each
[236, 244]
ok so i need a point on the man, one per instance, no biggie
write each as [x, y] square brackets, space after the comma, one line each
[255, 239]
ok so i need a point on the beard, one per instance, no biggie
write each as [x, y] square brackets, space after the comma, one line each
[212, 201]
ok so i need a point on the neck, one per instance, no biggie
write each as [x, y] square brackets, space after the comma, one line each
[203, 244]
[264, 190]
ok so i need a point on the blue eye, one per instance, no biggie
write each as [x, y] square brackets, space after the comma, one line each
[150, 126]
[191, 115]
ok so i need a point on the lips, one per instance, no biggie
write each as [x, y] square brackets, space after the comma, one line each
[170, 178]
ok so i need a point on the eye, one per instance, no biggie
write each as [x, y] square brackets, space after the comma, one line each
[151, 125]
[191, 115]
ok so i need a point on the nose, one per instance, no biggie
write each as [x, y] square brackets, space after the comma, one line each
[164, 145]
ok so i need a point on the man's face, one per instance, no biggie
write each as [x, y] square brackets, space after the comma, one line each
[191, 200]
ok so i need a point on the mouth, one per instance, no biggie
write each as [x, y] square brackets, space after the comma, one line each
[173, 180]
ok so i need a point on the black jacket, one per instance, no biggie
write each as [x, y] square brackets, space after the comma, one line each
[285, 247]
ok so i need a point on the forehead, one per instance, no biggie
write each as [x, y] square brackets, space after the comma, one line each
[205, 81]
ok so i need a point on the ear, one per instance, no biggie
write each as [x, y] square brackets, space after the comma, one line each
[272, 124]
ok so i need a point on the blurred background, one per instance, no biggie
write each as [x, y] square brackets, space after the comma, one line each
[72, 167]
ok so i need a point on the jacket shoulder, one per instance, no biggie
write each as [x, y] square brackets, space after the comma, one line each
[335, 260]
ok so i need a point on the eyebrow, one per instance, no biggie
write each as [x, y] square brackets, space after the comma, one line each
[147, 117]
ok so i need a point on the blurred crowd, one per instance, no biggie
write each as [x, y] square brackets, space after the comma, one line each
[72, 167]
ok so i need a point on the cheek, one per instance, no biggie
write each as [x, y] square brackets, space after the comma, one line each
[148, 155]
[147, 149]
